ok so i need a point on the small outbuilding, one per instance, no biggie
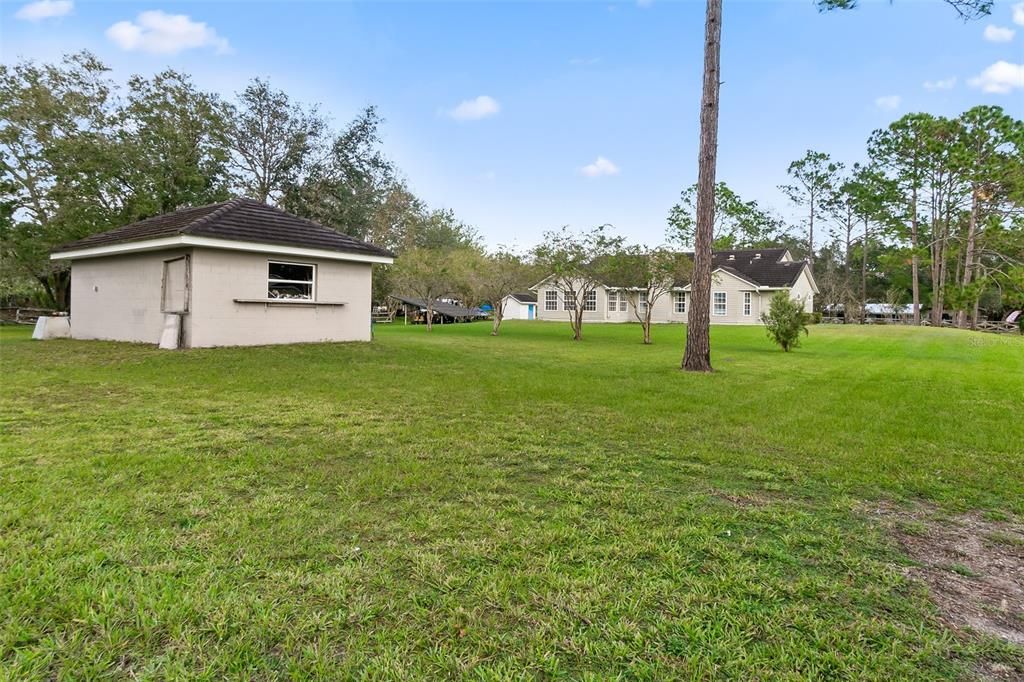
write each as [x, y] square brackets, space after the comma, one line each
[236, 273]
[522, 305]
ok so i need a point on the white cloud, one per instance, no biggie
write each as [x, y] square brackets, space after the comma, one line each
[888, 102]
[475, 109]
[941, 84]
[159, 33]
[998, 34]
[601, 166]
[1018, 14]
[1000, 78]
[45, 9]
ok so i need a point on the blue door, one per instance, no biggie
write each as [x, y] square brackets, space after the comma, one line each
[529, 311]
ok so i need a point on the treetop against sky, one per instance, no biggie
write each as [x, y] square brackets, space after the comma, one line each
[526, 116]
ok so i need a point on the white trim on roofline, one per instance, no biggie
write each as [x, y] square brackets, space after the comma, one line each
[745, 280]
[212, 243]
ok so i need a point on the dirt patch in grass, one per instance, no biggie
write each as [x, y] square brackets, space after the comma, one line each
[747, 500]
[973, 566]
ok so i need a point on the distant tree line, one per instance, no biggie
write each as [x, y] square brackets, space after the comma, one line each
[934, 215]
[80, 155]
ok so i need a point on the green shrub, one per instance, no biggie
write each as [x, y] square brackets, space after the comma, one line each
[785, 320]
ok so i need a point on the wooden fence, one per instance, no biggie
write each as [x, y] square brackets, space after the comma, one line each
[24, 315]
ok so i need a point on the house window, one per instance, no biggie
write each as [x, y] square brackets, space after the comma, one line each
[590, 301]
[568, 301]
[642, 303]
[290, 280]
[679, 301]
[613, 301]
[746, 303]
[550, 300]
[719, 303]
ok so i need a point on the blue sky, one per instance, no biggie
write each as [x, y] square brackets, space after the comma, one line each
[548, 89]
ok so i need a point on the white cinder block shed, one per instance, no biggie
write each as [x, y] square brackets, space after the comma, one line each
[237, 273]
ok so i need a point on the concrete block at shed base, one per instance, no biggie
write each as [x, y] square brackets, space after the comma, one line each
[170, 337]
[52, 328]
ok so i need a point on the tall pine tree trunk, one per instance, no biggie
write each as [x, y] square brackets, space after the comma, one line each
[968, 275]
[810, 235]
[864, 276]
[697, 356]
[915, 283]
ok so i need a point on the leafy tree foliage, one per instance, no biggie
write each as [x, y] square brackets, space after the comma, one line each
[960, 197]
[738, 224]
[491, 278]
[274, 141]
[966, 9]
[347, 185]
[645, 276]
[173, 141]
[574, 262]
[429, 274]
[815, 181]
[79, 155]
[77, 161]
[785, 320]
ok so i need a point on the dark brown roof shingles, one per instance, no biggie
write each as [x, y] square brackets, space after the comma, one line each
[235, 220]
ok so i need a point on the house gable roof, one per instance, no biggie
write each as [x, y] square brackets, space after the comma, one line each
[732, 272]
[770, 268]
[524, 296]
[237, 220]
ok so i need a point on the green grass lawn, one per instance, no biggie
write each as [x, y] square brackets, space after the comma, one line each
[456, 505]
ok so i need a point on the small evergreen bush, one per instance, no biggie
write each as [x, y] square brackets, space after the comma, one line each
[785, 320]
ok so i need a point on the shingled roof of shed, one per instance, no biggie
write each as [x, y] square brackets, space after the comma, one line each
[240, 219]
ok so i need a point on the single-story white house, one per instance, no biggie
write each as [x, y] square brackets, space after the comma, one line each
[742, 284]
[522, 305]
[236, 273]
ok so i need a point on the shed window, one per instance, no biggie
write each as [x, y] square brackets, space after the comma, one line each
[590, 301]
[746, 303]
[719, 303]
[291, 280]
[642, 303]
[550, 300]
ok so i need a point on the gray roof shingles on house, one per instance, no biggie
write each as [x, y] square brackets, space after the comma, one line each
[240, 219]
[759, 267]
[524, 296]
[763, 267]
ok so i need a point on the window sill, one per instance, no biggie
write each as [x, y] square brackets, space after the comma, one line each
[288, 301]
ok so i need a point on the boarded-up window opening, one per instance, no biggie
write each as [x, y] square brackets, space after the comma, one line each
[177, 285]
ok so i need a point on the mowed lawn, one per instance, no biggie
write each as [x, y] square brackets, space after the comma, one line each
[452, 505]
